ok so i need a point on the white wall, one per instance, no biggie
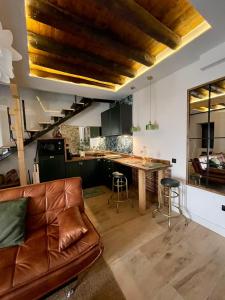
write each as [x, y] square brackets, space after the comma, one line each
[34, 114]
[169, 102]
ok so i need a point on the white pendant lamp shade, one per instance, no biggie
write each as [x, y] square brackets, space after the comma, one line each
[7, 55]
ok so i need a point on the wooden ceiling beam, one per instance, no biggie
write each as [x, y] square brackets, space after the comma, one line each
[65, 51]
[45, 12]
[73, 69]
[141, 18]
[48, 75]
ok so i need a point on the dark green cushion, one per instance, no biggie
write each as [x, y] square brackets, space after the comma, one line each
[12, 222]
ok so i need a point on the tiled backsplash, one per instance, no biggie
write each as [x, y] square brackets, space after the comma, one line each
[122, 143]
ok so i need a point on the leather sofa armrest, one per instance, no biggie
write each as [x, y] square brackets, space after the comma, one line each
[216, 171]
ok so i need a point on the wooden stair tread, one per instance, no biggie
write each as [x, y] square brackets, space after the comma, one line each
[56, 118]
[47, 122]
[33, 130]
[68, 109]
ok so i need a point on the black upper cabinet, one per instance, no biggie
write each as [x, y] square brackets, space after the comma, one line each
[125, 119]
[117, 120]
[105, 120]
[95, 131]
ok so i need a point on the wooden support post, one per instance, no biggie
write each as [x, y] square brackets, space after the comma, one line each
[142, 191]
[16, 112]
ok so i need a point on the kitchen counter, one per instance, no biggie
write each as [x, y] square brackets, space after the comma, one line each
[106, 155]
[137, 163]
[149, 165]
[128, 160]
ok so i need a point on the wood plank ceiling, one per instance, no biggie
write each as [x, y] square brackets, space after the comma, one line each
[104, 43]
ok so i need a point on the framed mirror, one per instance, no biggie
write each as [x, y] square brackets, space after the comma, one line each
[206, 136]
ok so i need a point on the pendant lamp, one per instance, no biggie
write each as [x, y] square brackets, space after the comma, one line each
[151, 125]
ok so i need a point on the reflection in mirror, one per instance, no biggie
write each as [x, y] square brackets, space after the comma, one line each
[206, 136]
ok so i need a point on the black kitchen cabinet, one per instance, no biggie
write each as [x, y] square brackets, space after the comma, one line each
[105, 121]
[109, 166]
[51, 167]
[107, 170]
[96, 172]
[95, 131]
[88, 170]
[127, 171]
[73, 169]
[117, 120]
[125, 119]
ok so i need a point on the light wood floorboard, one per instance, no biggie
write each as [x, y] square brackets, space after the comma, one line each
[151, 262]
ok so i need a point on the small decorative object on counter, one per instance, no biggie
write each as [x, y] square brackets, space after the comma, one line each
[144, 154]
[81, 148]
[56, 133]
[82, 153]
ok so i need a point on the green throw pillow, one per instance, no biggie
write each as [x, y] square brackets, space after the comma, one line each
[12, 222]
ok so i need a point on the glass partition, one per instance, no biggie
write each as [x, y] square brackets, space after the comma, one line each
[206, 136]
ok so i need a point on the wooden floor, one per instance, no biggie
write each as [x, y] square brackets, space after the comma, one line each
[150, 262]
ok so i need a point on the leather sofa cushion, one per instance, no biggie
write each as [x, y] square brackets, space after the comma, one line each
[47, 200]
[40, 256]
[71, 227]
[12, 222]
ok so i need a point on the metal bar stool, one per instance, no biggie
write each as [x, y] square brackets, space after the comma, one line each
[196, 178]
[173, 187]
[119, 181]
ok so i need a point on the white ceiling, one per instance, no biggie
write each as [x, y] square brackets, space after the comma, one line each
[12, 17]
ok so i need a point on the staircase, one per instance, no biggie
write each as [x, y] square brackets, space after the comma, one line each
[55, 121]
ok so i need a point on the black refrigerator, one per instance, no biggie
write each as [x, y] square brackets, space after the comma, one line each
[51, 158]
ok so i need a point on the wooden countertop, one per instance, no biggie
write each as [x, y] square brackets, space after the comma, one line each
[137, 163]
[128, 160]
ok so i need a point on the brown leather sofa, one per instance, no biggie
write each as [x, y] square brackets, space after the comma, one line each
[216, 175]
[33, 269]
